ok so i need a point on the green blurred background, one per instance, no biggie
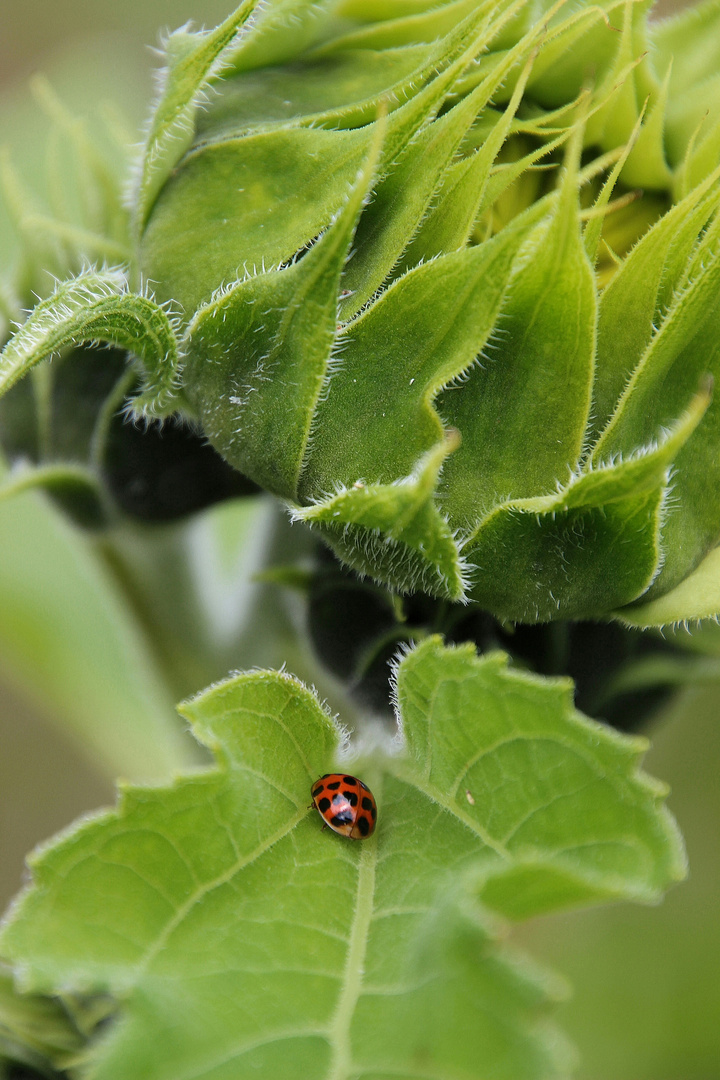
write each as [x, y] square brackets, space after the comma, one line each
[646, 982]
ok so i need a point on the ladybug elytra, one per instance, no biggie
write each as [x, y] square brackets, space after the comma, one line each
[345, 804]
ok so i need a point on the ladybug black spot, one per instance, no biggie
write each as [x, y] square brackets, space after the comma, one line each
[351, 797]
[342, 819]
[334, 787]
[363, 826]
[350, 780]
[367, 803]
[373, 812]
[323, 805]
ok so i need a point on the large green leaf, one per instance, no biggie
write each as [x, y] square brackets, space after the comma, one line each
[69, 641]
[646, 995]
[243, 940]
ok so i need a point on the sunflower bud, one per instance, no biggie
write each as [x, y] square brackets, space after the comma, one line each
[447, 281]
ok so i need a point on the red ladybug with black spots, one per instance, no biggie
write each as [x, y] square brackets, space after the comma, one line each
[345, 804]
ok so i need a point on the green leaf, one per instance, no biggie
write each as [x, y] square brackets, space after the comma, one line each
[328, 91]
[253, 198]
[423, 333]
[35, 1030]
[596, 539]
[65, 200]
[683, 351]
[75, 486]
[396, 530]
[646, 995]
[40, 249]
[96, 307]
[345, 388]
[245, 208]
[280, 31]
[594, 226]
[696, 597]
[703, 150]
[402, 199]
[70, 644]
[638, 295]
[526, 205]
[371, 11]
[628, 82]
[400, 202]
[688, 43]
[295, 308]
[688, 40]
[646, 164]
[471, 724]
[409, 29]
[245, 941]
[100, 194]
[194, 60]
[378, 413]
[522, 413]
[584, 41]
[450, 220]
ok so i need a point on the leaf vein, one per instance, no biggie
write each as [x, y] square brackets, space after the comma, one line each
[214, 883]
[246, 1047]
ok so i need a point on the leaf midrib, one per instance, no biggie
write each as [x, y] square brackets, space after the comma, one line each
[339, 1031]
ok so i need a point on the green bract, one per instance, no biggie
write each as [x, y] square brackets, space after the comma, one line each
[423, 299]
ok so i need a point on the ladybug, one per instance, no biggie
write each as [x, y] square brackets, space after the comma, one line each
[345, 804]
